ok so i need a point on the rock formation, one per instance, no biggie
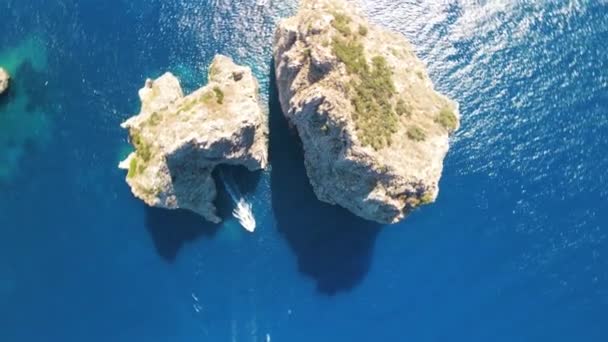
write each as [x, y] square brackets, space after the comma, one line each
[4, 80]
[373, 129]
[180, 140]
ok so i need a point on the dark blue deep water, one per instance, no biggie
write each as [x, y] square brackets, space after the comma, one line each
[515, 249]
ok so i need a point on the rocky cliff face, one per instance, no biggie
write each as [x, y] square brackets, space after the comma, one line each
[374, 130]
[179, 139]
[4, 80]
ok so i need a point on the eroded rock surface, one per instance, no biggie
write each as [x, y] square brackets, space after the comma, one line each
[179, 139]
[373, 129]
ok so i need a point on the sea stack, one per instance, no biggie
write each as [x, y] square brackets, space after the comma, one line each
[179, 140]
[5, 79]
[373, 129]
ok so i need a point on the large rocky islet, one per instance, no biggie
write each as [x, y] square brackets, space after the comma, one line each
[373, 129]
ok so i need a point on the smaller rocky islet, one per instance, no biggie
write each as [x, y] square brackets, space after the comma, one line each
[373, 129]
[179, 140]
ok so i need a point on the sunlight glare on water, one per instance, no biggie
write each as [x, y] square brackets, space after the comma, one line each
[522, 124]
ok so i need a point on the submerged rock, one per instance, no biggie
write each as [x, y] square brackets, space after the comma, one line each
[180, 140]
[26, 117]
[373, 129]
[4, 80]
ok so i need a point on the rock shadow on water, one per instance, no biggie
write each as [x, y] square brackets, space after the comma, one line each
[171, 230]
[332, 245]
[240, 177]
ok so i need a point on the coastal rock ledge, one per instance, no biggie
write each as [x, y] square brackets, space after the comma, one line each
[373, 129]
[179, 140]
[5, 79]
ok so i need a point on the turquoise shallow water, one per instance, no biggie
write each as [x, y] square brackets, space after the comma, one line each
[514, 250]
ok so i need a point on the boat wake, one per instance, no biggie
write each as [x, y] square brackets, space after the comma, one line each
[244, 214]
[243, 211]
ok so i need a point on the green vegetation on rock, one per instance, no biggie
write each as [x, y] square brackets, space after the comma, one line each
[308, 52]
[186, 107]
[447, 119]
[133, 170]
[219, 95]
[213, 71]
[154, 119]
[372, 87]
[426, 198]
[207, 97]
[142, 149]
[415, 202]
[402, 109]
[363, 30]
[342, 23]
[352, 54]
[416, 133]
[143, 154]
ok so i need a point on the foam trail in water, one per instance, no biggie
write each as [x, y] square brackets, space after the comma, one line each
[242, 211]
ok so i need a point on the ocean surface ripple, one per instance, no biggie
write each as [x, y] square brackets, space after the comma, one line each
[515, 249]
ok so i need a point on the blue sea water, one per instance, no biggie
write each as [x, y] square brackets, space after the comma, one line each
[515, 249]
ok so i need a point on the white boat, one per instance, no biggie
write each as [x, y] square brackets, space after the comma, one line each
[243, 211]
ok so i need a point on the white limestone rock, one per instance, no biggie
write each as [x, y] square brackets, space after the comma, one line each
[179, 139]
[5, 79]
[374, 130]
